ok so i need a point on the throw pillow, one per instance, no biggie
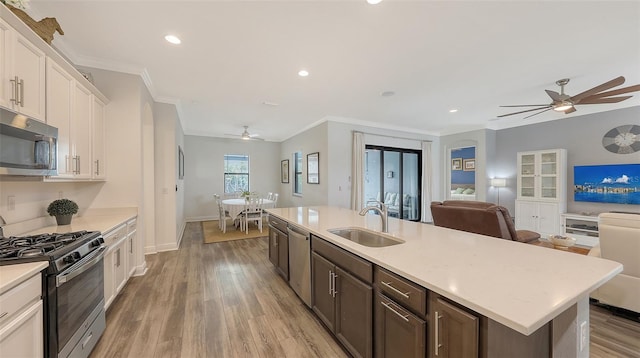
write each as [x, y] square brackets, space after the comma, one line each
[468, 191]
[459, 190]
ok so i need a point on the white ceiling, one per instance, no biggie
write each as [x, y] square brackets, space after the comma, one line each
[435, 55]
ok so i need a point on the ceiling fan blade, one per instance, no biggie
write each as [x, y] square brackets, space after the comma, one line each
[526, 105]
[554, 95]
[528, 110]
[618, 91]
[603, 87]
[570, 110]
[598, 100]
[535, 114]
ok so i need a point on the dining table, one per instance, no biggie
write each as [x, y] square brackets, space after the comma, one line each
[236, 205]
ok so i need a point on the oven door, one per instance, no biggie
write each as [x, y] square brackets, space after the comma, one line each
[80, 290]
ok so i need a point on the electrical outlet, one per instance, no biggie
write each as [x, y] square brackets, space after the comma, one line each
[11, 202]
[584, 335]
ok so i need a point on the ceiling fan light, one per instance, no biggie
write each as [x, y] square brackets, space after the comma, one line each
[562, 106]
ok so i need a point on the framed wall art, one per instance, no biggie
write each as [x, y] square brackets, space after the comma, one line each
[284, 171]
[456, 164]
[469, 164]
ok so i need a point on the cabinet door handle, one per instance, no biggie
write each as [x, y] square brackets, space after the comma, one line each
[403, 294]
[78, 164]
[330, 282]
[21, 99]
[437, 335]
[97, 166]
[14, 90]
[334, 285]
[388, 306]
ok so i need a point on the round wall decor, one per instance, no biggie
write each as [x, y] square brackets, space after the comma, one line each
[622, 139]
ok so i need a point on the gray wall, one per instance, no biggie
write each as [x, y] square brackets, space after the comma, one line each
[580, 135]
[204, 171]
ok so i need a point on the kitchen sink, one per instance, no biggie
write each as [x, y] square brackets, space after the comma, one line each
[366, 237]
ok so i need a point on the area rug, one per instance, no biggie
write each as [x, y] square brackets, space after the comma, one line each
[213, 234]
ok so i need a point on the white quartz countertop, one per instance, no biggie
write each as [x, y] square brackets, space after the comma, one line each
[103, 221]
[13, 275]
[518, 285]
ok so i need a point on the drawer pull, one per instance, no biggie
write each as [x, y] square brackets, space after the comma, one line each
[388, 306]
[388, 284]
[3, 314]
[437, 344]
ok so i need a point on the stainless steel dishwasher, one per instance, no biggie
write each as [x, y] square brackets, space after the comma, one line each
[300, 263]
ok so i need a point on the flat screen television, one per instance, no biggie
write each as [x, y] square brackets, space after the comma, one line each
[616, 183]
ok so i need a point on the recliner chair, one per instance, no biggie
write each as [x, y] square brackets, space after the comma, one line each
[620, 241]
[480, 218]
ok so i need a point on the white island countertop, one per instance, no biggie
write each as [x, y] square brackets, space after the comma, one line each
[518, 285]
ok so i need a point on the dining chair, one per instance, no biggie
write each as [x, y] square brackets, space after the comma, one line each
[275, 199]
[252, 212]
[269, 196]
[223, 215]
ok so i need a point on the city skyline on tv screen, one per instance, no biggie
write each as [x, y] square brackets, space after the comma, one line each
[616, 183]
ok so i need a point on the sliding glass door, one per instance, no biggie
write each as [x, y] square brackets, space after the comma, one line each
[393, 176]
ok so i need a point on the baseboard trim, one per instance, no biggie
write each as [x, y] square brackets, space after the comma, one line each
[200, 218]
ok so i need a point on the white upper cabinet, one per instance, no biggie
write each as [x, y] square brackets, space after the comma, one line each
[23, 74]
[69, 108]
[99, 171]
[542, 175]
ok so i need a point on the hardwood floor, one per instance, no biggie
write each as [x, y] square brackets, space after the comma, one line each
[212, 300]
[226, 300]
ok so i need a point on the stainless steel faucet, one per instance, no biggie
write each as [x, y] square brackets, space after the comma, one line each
[381, 209]
[2, 223]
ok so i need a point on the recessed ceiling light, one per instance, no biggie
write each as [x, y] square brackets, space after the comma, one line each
[272, 104]
[173, 39]
[303, 73]
[453, 110]
[373, 2]
[387, 93]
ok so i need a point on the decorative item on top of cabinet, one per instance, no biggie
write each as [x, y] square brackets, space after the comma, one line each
[45, 28]
[22, 73]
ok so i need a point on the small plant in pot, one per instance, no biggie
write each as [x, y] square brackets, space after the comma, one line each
[63, 210]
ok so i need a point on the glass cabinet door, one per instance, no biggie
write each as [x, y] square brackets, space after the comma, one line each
[527, 175]
[548, 175]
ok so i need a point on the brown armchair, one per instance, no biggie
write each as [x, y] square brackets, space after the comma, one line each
[480, 218]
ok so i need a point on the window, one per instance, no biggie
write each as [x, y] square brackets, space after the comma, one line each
[297, 169]
[236, 173]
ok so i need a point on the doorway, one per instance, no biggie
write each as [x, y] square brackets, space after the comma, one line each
[393, 176]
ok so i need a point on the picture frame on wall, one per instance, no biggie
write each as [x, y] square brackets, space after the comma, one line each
[456, 164]
[284, 171]
[469, 164]
[180, 163]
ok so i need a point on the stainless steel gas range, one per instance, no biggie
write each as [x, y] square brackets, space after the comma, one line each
[72, 286]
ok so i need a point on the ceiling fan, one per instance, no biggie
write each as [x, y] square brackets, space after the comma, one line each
[245, 135]
[562, 102]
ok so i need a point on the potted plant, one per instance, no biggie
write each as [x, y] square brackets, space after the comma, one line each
[62, 209]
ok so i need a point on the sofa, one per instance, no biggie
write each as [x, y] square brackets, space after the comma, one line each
[620, 241]
[480, 218]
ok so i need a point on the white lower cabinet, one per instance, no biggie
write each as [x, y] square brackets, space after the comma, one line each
[114, 263]
[119, 261]
[541, 217]
[21, 322]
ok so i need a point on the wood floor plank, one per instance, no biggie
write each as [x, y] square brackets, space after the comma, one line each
[226, 300]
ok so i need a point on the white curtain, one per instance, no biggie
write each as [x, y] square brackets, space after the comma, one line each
[357, 171]
[427, 175]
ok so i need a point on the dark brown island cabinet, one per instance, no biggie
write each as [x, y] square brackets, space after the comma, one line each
[342, 295]
[375, 312]
[279, 246]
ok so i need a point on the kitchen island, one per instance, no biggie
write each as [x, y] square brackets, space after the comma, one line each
[524, 288]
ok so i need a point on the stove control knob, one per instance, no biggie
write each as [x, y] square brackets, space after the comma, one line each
[95, 243]
[69, 259]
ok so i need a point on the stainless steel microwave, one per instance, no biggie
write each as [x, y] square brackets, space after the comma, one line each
[27, 146]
